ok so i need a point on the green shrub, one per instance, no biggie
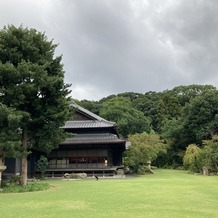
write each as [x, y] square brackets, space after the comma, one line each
[144, 170]
[31, 187]
[15, 180]
[41, 166]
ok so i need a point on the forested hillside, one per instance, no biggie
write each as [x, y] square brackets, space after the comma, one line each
[182, 116]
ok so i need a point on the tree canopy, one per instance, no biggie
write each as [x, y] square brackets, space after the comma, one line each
[144, 148]
[128, 119]
[182, 116]
[32, 84]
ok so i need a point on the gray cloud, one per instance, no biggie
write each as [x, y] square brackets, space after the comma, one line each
[115, 46]
[191, 28]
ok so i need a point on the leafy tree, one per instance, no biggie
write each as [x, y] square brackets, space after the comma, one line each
[107, 98]
[147, 104]
[172, 133]
[192, 158]
[201, 118]
[209, 157]
[143, 149]
[32, 82]
[130, 95]
[182, 116]
[128, 119]
[198, 121]
[204, 159]
[92, 106]
[186, 93]
[168, 108]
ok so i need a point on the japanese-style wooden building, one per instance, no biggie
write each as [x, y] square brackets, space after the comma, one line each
[94, 149]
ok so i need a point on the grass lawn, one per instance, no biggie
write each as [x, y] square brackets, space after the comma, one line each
[167, 193]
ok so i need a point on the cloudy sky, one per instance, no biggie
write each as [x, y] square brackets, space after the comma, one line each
[116, 46]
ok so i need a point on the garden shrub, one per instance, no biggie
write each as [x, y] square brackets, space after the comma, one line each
[41, 166]
[31, 187]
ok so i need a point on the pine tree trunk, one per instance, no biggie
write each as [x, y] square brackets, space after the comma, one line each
[23, 180]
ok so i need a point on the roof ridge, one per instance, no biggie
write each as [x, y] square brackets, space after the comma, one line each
[95, 116]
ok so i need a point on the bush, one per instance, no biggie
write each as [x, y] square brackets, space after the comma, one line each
[31, 187]
[144, 170]
[41, 166]
[15, 180]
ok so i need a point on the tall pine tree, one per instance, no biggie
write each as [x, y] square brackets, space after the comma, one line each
[32, 83]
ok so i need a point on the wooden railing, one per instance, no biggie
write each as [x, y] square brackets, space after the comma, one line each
[78, 165]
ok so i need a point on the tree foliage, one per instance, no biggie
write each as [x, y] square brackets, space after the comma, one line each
[143, 149]
[32, 83]
[93, 106]
[182, 116]
[147, 104]
[192, 158]
[200, 118]
[128, 119]
[209, 157]
[206, 158]
[10, 136]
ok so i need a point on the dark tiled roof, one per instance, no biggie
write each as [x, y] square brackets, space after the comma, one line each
[93, 138]
[75, 124]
